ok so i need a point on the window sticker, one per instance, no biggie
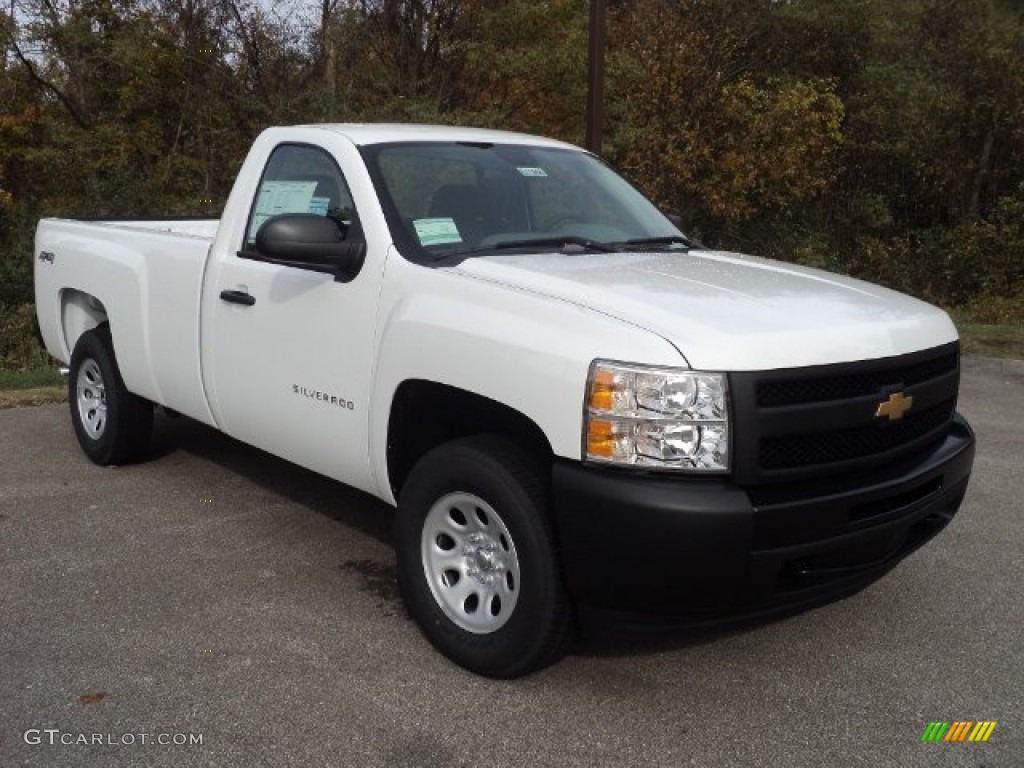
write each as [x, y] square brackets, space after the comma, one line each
[278, 197]
[437, 231]
[318, 205]
[534, 172]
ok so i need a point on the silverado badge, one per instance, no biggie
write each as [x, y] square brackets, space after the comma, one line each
[894, 407]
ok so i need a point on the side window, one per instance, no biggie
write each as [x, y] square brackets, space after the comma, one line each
[301, 179]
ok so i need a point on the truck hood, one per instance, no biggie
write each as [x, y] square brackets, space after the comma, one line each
[725, 311]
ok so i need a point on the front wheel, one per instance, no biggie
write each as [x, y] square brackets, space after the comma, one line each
[112, 425]
[477, 562]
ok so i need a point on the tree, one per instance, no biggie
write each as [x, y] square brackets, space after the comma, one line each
[697, 120]
[882, 139]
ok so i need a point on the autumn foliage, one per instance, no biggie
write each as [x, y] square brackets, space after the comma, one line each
[876, 138]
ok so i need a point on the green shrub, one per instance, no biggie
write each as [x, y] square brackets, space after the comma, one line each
[996, 310]
[20, 349]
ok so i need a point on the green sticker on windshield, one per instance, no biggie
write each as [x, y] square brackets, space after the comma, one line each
[437, 231]
[534, 172]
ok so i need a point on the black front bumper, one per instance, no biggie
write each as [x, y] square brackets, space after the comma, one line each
[702, 550]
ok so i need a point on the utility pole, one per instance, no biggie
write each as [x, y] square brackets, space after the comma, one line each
[595, 75]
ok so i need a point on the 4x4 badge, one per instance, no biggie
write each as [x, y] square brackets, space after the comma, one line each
[894, 407]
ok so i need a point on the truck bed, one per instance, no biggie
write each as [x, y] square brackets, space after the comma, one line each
[147, 276]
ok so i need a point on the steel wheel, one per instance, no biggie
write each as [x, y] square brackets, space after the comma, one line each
[92, 398]
[112, 424]
[470, 562]
[477, 562]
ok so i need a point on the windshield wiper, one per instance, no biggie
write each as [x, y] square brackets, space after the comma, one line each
[563, 240]
[667, 240]
[537, 242]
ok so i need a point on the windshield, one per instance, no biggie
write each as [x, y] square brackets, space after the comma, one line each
[450, 199]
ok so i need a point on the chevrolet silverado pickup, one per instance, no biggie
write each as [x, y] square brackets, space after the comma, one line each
[577, 411]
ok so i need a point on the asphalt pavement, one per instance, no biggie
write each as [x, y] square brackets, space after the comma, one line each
[215, 606]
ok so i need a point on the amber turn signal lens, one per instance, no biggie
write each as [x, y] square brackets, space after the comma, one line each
[602, 391]
[600, 439]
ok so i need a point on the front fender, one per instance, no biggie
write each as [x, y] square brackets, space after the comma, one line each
[525, 350]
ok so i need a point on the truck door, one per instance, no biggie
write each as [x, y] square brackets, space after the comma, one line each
[288, 352]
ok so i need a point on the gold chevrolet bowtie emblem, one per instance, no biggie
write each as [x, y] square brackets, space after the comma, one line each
[894, 408]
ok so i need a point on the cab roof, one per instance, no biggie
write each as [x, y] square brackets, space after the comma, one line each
[384, 133]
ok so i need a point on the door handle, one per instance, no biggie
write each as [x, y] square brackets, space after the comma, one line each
[238, 297]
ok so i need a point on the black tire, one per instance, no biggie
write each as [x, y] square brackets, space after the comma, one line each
[524, 621]
[112, 425]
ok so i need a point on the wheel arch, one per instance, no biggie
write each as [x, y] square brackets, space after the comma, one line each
[425, 414]
[80, 312]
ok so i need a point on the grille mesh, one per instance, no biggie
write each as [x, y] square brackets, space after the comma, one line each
[791, 451]
[815, 390]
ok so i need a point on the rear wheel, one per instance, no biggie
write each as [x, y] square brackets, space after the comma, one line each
[112, 425]
[477, 561]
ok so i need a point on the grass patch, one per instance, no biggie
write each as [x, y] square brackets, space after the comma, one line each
[33, 386]
[21, 398]
[1004, 340]
[32, 378]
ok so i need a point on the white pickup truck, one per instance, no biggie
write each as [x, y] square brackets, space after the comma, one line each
[579, 413]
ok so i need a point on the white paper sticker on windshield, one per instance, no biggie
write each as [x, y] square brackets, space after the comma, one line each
[318, 205]
[437, 231]
[536, 172]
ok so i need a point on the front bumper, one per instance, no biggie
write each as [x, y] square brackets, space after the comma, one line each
[703, 550]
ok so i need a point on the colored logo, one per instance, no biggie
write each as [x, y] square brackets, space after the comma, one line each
[894, 407]
[958, 730]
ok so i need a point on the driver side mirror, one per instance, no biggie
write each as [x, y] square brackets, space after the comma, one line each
[308, 241]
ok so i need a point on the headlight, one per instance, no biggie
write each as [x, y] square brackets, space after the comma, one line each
[664, 418]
